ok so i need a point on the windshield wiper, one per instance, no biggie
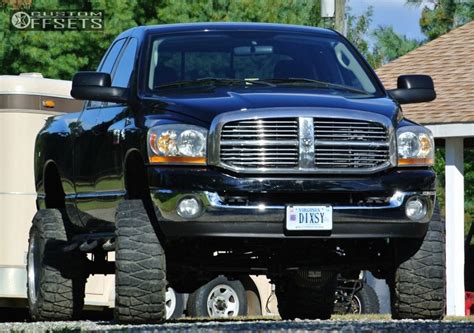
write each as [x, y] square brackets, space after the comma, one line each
[235, 81]
[214, 81]
[320, 84]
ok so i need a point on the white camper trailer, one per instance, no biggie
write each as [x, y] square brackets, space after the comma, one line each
[26, 101]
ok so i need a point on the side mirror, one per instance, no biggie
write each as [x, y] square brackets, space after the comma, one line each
[413, 89]
[96, 86]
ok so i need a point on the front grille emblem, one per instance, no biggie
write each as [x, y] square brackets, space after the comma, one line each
[307, 144]
[306, 139]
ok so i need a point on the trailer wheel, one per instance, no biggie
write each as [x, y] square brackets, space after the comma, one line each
[418, 285]
[140, 267]
[55, 280]
[219, 298]
[174, 304]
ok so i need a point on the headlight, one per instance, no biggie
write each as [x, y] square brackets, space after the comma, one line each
[177, 144]
[415, 146]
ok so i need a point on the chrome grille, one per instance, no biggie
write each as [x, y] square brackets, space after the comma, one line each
[350, 157]
[349, 130]
[260, 143]
[350, 144]
[312, 141]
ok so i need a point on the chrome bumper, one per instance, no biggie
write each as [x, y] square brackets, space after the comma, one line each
[215, 210]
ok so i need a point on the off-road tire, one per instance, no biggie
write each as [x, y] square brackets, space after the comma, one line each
[140, 267]
[197, 301]
[61, 279]
[418, 285]
[369, 301]
[306, 301]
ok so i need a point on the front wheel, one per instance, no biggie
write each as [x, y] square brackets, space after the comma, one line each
[418, 285]
[219, 298]
[140, 267]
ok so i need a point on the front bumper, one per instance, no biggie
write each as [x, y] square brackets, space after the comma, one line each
[266, 219]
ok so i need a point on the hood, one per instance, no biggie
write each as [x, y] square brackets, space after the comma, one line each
[205, 106]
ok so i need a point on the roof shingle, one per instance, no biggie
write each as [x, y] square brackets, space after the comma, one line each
[449, 60]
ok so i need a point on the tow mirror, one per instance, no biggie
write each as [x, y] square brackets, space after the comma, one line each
[413, 89]
[96, 86]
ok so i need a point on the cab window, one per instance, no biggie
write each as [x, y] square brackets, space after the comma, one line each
[106, 65]
[125, 65]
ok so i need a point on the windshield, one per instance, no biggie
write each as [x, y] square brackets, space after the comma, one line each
[256, 58]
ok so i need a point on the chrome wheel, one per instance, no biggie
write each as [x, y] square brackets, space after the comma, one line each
[33, 269]
[356, 305]
[170, 302]
[223, 302]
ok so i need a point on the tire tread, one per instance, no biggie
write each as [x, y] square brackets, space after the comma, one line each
[59, 297]
[140, 267]
[419, 284]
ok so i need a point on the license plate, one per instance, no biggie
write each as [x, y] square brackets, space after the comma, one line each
[308, 218]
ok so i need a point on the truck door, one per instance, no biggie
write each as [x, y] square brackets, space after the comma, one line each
[109, 145]
[87, 161]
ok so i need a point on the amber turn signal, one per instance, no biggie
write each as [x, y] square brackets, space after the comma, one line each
[415, 161]
[178, 159]
[47, 103]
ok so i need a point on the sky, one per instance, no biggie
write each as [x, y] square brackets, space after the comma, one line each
[403, 18]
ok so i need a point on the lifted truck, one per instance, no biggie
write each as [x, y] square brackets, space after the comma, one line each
[221, 148]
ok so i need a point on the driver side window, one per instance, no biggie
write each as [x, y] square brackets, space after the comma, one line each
[107, 65]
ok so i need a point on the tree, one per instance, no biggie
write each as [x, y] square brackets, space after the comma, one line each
[437, 18]
[389, 45]
[59, 54]
[357, 28]
[440, 16]
[305, 12]
[357, 32]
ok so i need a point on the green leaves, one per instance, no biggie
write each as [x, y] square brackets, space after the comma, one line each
[440, 16]
[357, 30]
[59, 54]
[390, 45]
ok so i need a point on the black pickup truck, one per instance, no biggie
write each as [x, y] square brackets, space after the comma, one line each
[222, 148]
